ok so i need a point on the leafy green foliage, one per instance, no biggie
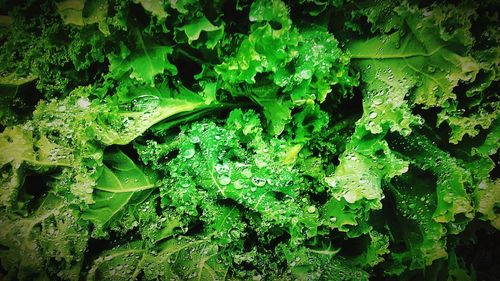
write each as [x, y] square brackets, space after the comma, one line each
[54, 232]
[248, 140]
[142, 65]
[181, 259]
[121, 182]
[302, 64]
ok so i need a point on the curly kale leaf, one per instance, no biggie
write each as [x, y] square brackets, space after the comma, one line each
[281, 67]
[234, 162]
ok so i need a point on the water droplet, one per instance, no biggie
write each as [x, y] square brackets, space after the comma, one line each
[83, 102]
[373, 115]
[483, 185]
[247, 173]
[311, 209]
[305, 74]
[188, 153]
[224, 180]
[258, 181]
[238, 184]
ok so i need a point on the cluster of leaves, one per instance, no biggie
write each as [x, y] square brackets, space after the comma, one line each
[248, 140]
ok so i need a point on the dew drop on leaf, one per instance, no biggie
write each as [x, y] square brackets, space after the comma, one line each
[258, 181]
[224, 180]
[188, 153]
[311, 209]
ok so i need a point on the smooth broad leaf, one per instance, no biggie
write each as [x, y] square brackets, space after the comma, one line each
[85, 12]
[137, 108]
[175, 259]
[120, 184]
[120, 174]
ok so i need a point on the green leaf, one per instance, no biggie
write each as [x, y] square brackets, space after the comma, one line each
[120, 174]
[487, 199]
[452, 178]
[137, 107]
[178, 259]
[142, 64]
[20, 152]
[294, 67]
[470, 125]
[223, 223]
[320, 264]
[30, 244]
[184, 6]
[491, 143]
[423, 58]
[196, 27]
[414, 224]
[85, 12]
[221, 169]
[269, 11]
[11, 88]
[155, 7]
[121, 183]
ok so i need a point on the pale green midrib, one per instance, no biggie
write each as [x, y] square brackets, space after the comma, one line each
[35, 162]
[143, 46]
[163, 113]
[396, 56]
[126, 190]
[119, 183]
